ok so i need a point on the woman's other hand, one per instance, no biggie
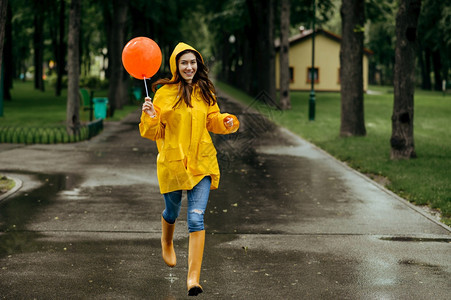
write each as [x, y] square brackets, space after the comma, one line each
[228, 122]
[231, 123]
[148, 107]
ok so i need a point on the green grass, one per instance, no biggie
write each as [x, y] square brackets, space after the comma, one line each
[40, 117]
[32, 108]
[6, 184]
[423, 181]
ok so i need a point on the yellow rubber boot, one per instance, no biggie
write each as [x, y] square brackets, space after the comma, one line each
[167, 246]
[195, 254]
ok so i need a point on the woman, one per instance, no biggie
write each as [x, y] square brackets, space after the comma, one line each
[179, 120]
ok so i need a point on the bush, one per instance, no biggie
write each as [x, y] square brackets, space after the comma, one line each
[51, 79]
[90, 82]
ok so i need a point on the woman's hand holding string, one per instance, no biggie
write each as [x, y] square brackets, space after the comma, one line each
[148, 107]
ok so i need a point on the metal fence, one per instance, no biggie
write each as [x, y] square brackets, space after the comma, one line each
[49, 135]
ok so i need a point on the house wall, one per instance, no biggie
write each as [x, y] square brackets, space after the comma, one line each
[327, 60]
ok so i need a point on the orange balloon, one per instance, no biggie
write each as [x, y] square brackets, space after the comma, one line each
[141, 57]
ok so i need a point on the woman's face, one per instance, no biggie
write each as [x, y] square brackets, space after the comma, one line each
[188, 66]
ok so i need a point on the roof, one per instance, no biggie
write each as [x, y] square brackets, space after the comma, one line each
[305, 34]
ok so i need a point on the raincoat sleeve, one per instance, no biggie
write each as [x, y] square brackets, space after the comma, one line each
[151, 128]
[215, 121]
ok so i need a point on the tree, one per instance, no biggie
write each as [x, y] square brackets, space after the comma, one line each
[283, 55]
[73, 53]
[351, 68]
[229, 23]
[7, 65]
[243, 33]
[381, 39]
[38, 43]
[56, 27]
[117, 88]
[434, 44]
[402, 143]
[3, 9]
[261, 35]
[60, 49]
[22, 21]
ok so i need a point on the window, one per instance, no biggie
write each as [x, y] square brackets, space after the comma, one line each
[315, 75]
[291, 74]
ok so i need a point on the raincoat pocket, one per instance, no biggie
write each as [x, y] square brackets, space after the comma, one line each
[173, 154]
[206, 162]
[174, 160]
[206, 149]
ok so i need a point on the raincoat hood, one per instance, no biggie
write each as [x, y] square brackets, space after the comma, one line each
[180, 48]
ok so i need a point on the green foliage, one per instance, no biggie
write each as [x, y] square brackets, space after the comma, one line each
[93, 82]
[381, 38]
[202, 40]
[434, 31]
[432, 17]
[302, 12]
[379, 11]
[424, 180]
[22, 33]
[51, 79]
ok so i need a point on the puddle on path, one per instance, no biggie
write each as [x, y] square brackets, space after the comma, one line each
[21, 209]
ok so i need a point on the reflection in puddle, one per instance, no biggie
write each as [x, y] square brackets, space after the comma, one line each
[20, 209]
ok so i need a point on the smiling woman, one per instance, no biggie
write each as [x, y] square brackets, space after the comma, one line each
[183, 113]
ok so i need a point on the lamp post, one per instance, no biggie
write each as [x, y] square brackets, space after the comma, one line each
[311, 102]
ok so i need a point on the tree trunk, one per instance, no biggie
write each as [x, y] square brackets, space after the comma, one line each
[271, 55]
[402, 143]
[140, 21]
[60, 57]
[226, 59]
[427, 66]
[3, 9]
[116, 92]
[8, 65]
[284, 63]
[107, 17]
[437, 64]
[261, 38]
[38, 45]
[425, 80]
[244, 76]
[351, 68]
[73, 100]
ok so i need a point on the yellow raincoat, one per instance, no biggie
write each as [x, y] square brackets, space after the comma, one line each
[186, 152]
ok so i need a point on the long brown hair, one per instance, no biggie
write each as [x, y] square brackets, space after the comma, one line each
[207, 88]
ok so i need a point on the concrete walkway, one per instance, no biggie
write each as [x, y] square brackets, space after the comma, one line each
[287, 222]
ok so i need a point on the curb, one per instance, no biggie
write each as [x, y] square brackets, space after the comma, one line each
[17, 186]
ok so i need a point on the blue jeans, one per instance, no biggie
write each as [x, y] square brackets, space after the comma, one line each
[197, 203]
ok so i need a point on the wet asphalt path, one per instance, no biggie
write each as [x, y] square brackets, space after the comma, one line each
[288, 222]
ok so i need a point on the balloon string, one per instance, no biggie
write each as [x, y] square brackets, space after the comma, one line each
[145, 84]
